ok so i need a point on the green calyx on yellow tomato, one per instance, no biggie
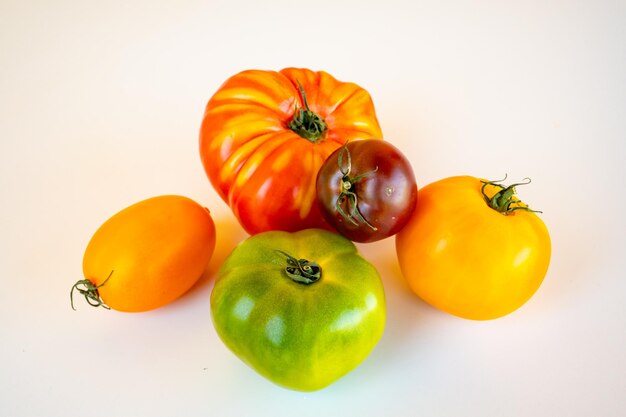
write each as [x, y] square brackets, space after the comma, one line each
[503, 199]
[303, 309]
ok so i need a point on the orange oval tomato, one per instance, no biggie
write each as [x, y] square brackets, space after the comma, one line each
[477, 256]
[148, 254]
[265, 134]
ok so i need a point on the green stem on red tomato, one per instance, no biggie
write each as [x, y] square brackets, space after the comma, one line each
[504, 201]
[346, 193]
[302, 270]
[305, 122]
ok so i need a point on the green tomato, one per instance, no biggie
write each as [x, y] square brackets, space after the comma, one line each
[303, 309]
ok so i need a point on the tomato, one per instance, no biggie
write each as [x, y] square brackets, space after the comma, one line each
[265, 135]
[367, 190]
[147, 255]
[473, 249]
[302, 309]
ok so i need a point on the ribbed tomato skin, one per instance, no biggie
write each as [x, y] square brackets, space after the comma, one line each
[262, 169]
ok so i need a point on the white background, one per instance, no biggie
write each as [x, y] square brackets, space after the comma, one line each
[100, 107]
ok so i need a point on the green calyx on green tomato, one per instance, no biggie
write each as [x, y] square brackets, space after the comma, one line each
[303, 309]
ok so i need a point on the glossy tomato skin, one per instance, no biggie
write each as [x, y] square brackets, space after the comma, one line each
[299, 336]
[153, 251]
[261, 168]
[465, 258]
[386, 195]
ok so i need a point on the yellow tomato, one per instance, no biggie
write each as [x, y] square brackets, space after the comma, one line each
[148, 254]
[473, 249]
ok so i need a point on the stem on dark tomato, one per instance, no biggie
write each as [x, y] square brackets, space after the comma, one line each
[353, 215]
[504, 200]
[302, 270]
[305, 122]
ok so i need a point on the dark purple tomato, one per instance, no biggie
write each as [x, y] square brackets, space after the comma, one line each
[366, 190]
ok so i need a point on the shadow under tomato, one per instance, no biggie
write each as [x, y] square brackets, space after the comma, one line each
[228, 234]
[409, 318]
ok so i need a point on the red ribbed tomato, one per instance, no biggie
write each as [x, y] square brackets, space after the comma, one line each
[265, 135]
